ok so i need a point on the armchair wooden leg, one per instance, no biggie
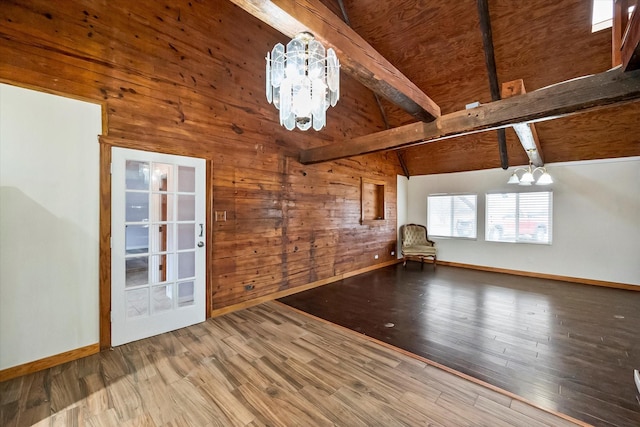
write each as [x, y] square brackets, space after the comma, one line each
[434, 262]
[404, 263]
[422, 263]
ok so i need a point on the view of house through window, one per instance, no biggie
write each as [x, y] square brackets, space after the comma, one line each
[452, 215]
[519, 217]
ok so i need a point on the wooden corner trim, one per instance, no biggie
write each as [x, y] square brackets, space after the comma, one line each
[48, 362]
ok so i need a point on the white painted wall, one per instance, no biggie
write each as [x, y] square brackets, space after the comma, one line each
[402, 193]
[596, 221]
[49, 213]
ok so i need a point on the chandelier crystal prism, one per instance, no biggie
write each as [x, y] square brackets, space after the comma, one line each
[302, 81]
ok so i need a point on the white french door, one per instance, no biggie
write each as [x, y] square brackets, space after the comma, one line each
[157, 248]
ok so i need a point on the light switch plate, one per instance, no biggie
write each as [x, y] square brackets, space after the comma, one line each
[221, 216]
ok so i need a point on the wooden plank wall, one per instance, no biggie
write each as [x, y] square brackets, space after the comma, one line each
[187, 77]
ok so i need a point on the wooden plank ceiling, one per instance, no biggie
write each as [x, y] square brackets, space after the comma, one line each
[438, 46]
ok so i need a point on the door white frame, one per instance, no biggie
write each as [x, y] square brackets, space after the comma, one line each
[164, 285]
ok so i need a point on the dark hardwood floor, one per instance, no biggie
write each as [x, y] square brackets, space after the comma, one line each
[566, 347]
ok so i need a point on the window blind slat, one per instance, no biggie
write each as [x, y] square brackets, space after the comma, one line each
[452, 215]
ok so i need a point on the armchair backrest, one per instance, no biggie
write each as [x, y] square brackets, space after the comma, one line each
[414, 234]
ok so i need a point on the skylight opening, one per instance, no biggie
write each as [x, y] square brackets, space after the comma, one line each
[602, 16]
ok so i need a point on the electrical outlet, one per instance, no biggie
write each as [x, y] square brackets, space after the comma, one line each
[375, 256]
[393, 253]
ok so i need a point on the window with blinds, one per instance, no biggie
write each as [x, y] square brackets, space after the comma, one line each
[519, 217]
[452, 215]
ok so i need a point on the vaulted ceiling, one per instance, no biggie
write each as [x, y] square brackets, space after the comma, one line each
[438, 45]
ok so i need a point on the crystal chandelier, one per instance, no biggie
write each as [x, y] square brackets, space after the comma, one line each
[302, 81]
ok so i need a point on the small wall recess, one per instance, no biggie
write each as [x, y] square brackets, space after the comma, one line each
[372, 201]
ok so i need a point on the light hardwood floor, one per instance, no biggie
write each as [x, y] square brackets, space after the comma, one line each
[266, 365]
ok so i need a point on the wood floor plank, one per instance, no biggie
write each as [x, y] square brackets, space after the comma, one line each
[516, 419]
[335, 410]
[451, 403]
[404, 383]
[156, 399]
[275, 404]
[543, 417]
[221, 395]
[242, 347]
[126, 399]
[103, 419]
[419, 403]
[373, 353]
[306, 375]
[36, 399]
[96, 396]
[371, 410]
[242, 371]
[192, 406]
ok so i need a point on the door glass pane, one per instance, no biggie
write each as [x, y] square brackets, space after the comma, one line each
[185, 294]
[162, 179]
[158, 268]
[161, 298]
[186, 264]
[186, 236]
[162, 207]
[137, 271]
[137, 302]
[136, 239]
[186, 179]
[137, 207]
[137, 175]
[161, 237]
[186, 207]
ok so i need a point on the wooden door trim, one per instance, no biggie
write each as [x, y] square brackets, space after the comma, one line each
[105, 245]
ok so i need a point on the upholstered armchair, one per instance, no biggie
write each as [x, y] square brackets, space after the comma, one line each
[416, 244]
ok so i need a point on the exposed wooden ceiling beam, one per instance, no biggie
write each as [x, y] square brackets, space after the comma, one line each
[356, 56]
[570, 97]
[526, 131]
[631, 42]
[490, 61]
[618, 25]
